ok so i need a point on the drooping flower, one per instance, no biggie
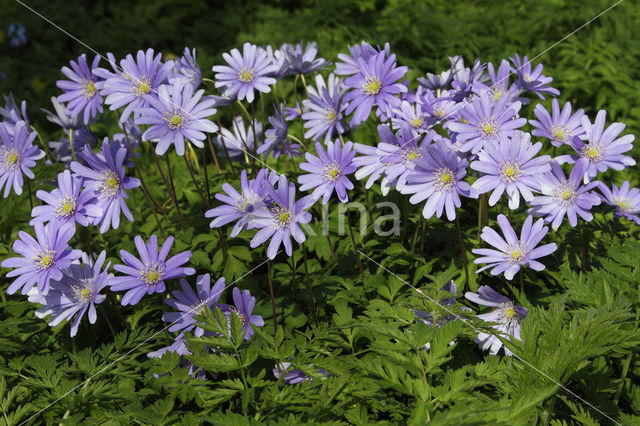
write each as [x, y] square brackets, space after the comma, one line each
[279, 60]
[465, 78]
[532, 80]
[483, 121]
[135, 78]
[512, 252]
[66, 203]
[625, 199]
[506, 314]
[61, 117]
[242, 140]
[562, 196]
[76, 293]
[245, 72]
[105, 177]
[17, 156]
[324, 109]
[436, 82]
[281, 219]
[329, 172]
[351, 62]
[293, 376]
[510, 166]
[437, 176]
[244, 303]
[11, 114]
[147, 274]
[179, 347]
[291, 113]
[177, 114]
[375, 84]
[61, 150]
[186, 68]
[275, 141]
[603, 148]
[304, 61]
[42, 258]
[189, 304]
[83, 91]
[559, 127]
[239, 206]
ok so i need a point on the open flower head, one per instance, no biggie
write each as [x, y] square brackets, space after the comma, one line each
[17, 156]
[625, 199]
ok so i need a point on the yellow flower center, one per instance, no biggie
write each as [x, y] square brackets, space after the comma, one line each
[246, 75]
[510, 312]
[44, 259]
[142, 86]
[510, 172]
[517, 254]
[331, 172]
[412, 156]
[330, 116]
[558, 133]
[110, 185]
[489, 128]
[152, 273]
[592, 153]
[281, 217]
[444, 179]
[371, 86]
[176, 120]
[66, 207]
[622, 204]
[89, 89]
[463, 121]
[439, 112]
[416, 122]
[10, 159]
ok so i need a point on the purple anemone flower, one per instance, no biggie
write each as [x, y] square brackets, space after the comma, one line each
[246, 72]
[66, 203]
[375, 84]
[398, 152]
[179, 347]
[436, 82]
[510, 166]
[410, 116]
[304, 61]
[291, 113]
[278, 59]
[625, 200]
[324, 110]
[61, 117]
[293, 376]
[559, 127]
[465, 78]
[351, 62]
[281, 219]
[243, 303]
[513, 252]
[189, 304]
[105, 177]
[17, 156]
[437, 176]
[499, 83]
[562, 196]
[276, 137]
[61, 150]
[242, 140]
[532, 80]
[603, 148]
[147, 274]
[186, 69]
[239, 206]
[177, 114]
[329, 172]
[481, 121]
[76, 293]
[506, 314]
[11, 114]
[437, 108]
[135, 78]
[42, 258]
[83, 91]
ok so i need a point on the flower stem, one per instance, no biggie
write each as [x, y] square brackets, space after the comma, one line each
[463, 251]
[154, 204]
[294, 284]
[366, 198]
[223, 245]
[355, 248]
[73, 152]
[172, 190]
[325, 230]
[206, 177]
[195, 182]
[44, 145]
[213, 153]
[584, 251]
[311, 299]
[273, 301]
[30, 195]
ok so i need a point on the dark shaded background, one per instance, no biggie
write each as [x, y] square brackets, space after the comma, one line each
[596, 68]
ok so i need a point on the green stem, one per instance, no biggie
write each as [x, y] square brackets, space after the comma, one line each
[195, 182]
[44, 145]
[463, 251]
[206, 177]
[355, 248]
[309, 291]
[73, 152]
[213, 154]
[172, 190]
[30, 194]
[273, 300]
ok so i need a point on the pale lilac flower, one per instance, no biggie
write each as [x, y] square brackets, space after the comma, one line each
[190, 304]
[244, 303]
[239, 206]
[242, 140]
[105, 177]
[603, 148]
[512, 252]
[329, 172]
[410, 116]
[176, 114]
[245, 72]
[42, 258]
[351, 62]
[275, 141]
[499, 83]
[280, 221]
[76, 293]
[374, 85]
[562, 196]
[304, 61]
[278, 59]
[481, 121]
[11, 114]
[291, 113]
[17, 156]
[61, 150]
[397, 152]
[186, 69]
[510, 166]
[294, 376]
[464, 78]
[147, 274]
[83, 91]
[506, 314]
[61, 116]
[625, 200]
[324, 109]
[438, 108]
[532, 80]
[437, 176]
[559, 127]
[66, 203]
[135, 78]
